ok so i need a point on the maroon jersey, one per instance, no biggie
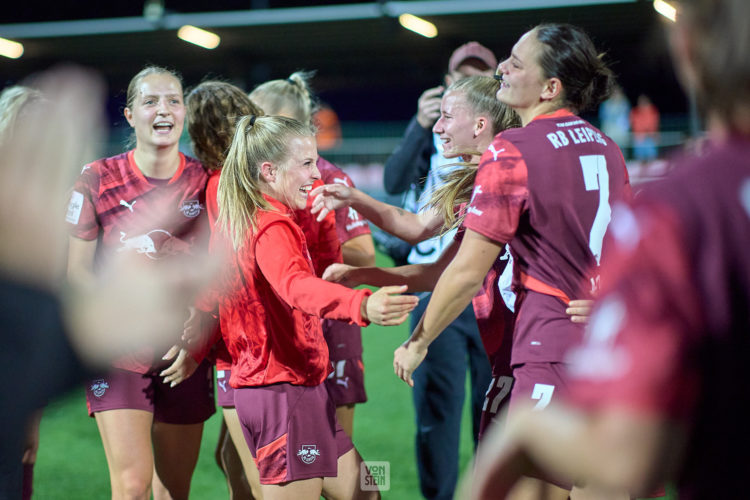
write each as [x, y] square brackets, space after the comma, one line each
[349, 223]
[113, 202]
[671, 333]
[546, 189]
[344, 339]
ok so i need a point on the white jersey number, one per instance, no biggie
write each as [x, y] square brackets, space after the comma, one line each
[596, 178]
[542, 392]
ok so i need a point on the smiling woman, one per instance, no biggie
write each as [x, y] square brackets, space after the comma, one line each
[270, 304]
[150, 201]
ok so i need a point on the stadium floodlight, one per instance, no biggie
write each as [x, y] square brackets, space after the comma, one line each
[666, 9]
[418, 25]
[10, 49]
[199, 37]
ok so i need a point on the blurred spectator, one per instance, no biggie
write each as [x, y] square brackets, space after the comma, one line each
[329, 128]
[614, 117]
[644, 121]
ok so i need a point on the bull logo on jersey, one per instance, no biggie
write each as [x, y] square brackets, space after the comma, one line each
[99, 387]
[353, 214]
[308, 453]
[155, 244]
[191, 208]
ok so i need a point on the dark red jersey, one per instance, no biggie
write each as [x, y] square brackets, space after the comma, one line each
[344, 340]
[114, 203]
[546, 189]
[671, 333]
[272, 302]
[349, 223]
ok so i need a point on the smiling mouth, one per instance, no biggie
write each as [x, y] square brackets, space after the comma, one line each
[163, 126]
[305, 190]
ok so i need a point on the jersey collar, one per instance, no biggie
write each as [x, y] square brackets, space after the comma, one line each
[555, 114]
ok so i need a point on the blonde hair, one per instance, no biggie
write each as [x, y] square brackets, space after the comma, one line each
[292, 94]
[213, 109]
[479, 93]
[256, 140]
[14, 103]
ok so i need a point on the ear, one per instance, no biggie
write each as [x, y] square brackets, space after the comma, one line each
[268, 171]
[128, 116]
[552, 89]
[480, 125]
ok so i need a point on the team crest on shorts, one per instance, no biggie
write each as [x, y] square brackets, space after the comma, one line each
[191, 208]
[308, 453]
[99, 387]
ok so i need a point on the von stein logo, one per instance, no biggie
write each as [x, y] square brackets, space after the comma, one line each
[99, 387]
[191, 208]
[308, 453]
[375, 476]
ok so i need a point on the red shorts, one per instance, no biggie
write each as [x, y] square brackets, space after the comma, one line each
[346, 383]
[291, 431]
[224, 392]
[190, 402]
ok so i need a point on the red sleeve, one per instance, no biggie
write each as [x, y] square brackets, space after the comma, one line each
[277, 252]
[500, 194]
[81, 215]
[637, 348]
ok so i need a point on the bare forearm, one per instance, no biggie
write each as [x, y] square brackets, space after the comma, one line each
[359, 251]
[452, 293]
[612, 451]
[418, 277]
[408, 226]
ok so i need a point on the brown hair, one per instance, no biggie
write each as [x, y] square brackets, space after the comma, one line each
[569, 54]
[213, 109]
[721, 56]
[256, 140]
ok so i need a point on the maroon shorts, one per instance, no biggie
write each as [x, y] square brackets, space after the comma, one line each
[497, 397]
[224, 392]
[346, 383]
[190, 402]
[291, 431]
[538, 384]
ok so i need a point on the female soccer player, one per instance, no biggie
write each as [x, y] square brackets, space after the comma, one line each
[659, 382]
[470, 118]
[545, 189]
[269, 308]
[148, 201]
[293, 98]
[213, 109]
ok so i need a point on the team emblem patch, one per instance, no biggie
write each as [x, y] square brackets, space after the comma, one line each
[191, 208]
[308, 453]
[99, 387]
